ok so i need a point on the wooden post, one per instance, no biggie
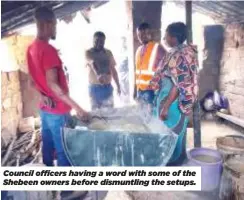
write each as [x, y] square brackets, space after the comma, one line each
[188, 5]
[196, 106]
[131, 47]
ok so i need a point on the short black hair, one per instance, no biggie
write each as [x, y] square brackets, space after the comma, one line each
[143, 26]
[99, 34]
[178, 30]
[44, 14]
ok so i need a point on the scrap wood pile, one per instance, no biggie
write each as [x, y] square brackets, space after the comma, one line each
[23, 149]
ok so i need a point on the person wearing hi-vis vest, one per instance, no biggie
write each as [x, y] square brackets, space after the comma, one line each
[148, 57]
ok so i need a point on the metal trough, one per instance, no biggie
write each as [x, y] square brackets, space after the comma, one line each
[117, 148]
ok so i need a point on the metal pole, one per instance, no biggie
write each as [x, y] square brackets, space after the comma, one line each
[196, 106]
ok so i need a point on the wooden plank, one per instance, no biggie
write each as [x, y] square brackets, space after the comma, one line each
[9, 151]
[188, 5]
[235, 120]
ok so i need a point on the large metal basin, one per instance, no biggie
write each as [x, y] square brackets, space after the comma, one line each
[118, 148]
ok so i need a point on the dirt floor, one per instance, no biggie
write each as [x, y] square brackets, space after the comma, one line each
[211, 130]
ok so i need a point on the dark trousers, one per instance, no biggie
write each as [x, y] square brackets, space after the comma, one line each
[145, 96]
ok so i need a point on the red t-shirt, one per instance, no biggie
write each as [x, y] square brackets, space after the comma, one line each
[41, 56]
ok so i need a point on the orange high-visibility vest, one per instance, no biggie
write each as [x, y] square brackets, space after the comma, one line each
[145, 61]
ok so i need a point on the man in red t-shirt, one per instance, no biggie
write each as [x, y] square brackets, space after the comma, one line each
[48, 77]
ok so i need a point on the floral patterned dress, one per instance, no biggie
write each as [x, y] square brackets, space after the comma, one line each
[179, 69]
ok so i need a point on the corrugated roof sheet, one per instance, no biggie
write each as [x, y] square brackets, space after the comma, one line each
[19, 13]
[222, 11]
[15, 14]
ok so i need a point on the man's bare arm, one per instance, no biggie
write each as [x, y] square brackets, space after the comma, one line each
[91, 63]
[115, 76]
[46, 100]
[94, 67]
[32, 85]
[52, 82]
[113, 71]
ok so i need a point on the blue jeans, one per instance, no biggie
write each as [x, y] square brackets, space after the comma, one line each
[4, 195]
[101, 96]
[51, 138]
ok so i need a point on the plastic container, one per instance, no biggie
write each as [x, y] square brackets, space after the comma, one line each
[211, 163]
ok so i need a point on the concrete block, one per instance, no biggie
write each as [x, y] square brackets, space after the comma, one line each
[3, 92]
[4, 118]
[239, 83]
[13, 87]
[7, 103]
[4, 78]
[20, 109]
[14, 76]
[16, 99]
[231, 71]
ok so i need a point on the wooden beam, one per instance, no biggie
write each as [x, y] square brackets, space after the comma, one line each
[232, 119]
[196, 106]
[188, 5]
